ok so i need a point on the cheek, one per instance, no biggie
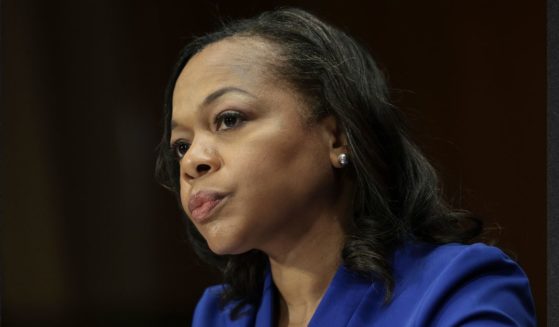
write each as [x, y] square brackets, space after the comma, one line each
[284, 169]
[266, 160]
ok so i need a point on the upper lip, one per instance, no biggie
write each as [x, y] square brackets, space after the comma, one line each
[197, 199]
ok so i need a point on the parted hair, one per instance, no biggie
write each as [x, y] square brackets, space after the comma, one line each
[397, 198]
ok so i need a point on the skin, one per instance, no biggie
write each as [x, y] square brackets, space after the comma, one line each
[285, 193]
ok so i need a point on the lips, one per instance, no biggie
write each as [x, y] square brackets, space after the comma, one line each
[202, 204]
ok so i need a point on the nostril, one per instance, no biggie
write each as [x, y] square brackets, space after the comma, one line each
[202, 168]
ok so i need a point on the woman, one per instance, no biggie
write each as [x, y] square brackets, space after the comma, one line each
[302, 186]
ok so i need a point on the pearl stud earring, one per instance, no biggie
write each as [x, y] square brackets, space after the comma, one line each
[343, 159]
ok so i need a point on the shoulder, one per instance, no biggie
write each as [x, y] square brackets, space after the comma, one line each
[434, 258]
[455, 261]
[457, 284]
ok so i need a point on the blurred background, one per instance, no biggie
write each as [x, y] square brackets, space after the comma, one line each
[87, 236]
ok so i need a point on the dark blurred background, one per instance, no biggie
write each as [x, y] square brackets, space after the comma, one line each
[87, 236]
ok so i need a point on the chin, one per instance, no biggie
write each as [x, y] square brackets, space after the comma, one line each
[222, 247]
[224, 237]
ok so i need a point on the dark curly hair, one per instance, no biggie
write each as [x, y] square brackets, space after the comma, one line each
[398, 197]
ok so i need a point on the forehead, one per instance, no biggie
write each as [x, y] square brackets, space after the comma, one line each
[235, 61]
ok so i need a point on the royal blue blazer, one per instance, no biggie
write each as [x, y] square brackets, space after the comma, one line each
[445, 285]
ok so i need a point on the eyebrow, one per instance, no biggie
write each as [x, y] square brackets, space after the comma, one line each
[216, 95]
[220, 92]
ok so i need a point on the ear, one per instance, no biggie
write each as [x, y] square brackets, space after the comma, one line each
[336, 138]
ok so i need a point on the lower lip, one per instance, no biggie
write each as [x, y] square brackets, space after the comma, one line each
[204, 212]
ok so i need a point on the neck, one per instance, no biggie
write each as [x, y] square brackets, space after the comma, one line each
[304, 262]
[303, 270]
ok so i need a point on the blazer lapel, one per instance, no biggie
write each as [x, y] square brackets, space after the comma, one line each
[343, 296]
[265, 316]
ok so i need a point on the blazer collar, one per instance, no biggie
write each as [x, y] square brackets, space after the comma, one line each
[343, 296]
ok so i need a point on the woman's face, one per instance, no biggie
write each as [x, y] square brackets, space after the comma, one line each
[253, 173]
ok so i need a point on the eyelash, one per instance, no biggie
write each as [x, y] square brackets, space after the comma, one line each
[219, 119]
[177, 148]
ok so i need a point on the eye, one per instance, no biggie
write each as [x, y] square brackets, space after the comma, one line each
[228, 119]
[179, 149]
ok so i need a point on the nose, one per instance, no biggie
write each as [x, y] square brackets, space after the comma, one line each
[200, 159]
